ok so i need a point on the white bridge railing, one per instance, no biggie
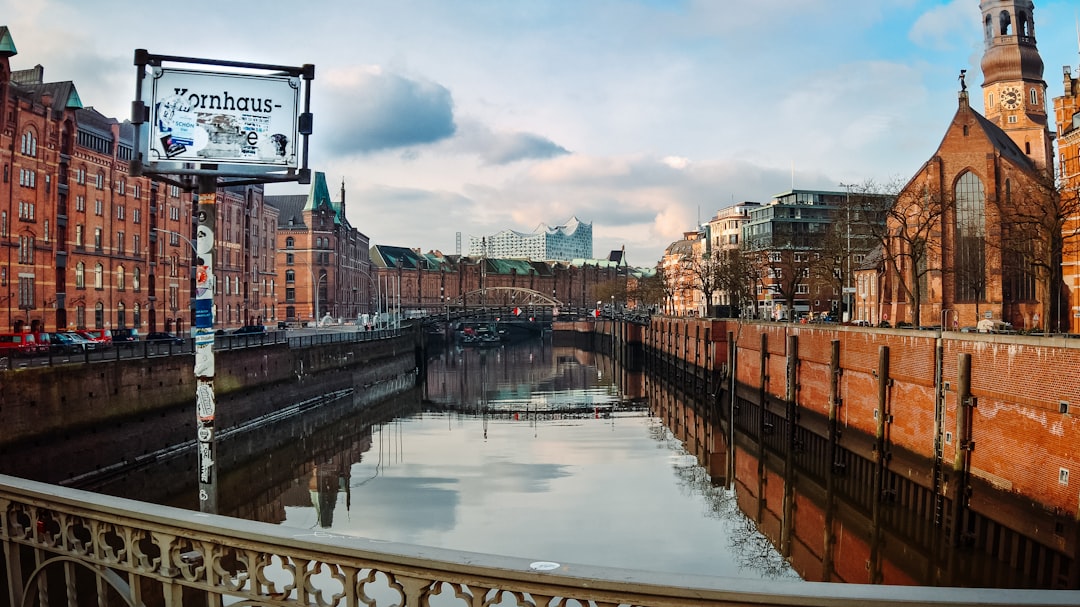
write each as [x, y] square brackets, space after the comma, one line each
[68, 547]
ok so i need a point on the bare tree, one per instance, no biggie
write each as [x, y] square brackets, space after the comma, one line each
[650, 291]
[703, 269]
[738, 278]
[784, 268]
[907, 233]
[1039, 231]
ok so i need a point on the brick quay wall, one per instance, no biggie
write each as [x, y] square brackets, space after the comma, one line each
[896, 395]
[76, 418]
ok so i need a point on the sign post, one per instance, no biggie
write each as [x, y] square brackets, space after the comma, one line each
[201, 129]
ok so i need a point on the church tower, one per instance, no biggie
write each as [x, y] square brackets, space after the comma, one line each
[1014, 93]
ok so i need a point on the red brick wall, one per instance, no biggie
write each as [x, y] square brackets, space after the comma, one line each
[1022, 440]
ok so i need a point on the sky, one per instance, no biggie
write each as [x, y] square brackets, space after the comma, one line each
[643, 117]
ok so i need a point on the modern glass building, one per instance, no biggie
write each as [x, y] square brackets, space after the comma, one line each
[573, 240]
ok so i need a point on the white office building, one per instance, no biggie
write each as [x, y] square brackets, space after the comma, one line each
[572, 240]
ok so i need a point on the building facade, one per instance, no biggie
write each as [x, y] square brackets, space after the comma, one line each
[572, 240]
[87, 245]
[1067, 114]
[322, 260]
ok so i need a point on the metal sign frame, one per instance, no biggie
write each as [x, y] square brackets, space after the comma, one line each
[182, 174]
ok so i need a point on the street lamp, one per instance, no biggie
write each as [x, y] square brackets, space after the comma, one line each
[844, 289]
[315, 312]
[194, 263]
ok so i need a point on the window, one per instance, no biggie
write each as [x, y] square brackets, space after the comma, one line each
[290, 276]
[79, 229]
[3, 223]
[174, 191]
[26, 293]
[970, 255]
[136, 244]
[99, 207]
[137, 316]
[136, 190]
[99, 315]
[1012, 119]
[97, 239]
[136, 215]
[80, 275]
[80, 175]
[26, 249]
[290, 242]
[774, 257]
[80, 203]
[26, 211]
[174, 213]
[28, 178]
[288, 259]
[1034, 97]
[121, 187]
[99, 181]
[119, 243]
[99, 276]
[80, 316]
[802, 289]
[28, 145]
[120, 212]
[136, 278]
[120, 276]
[46, 235]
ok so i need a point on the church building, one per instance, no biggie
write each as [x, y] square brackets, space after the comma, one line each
[977, 231]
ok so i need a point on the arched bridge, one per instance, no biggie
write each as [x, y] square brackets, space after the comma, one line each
[506, 297]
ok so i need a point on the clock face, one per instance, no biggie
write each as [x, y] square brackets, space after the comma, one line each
[1010, 97]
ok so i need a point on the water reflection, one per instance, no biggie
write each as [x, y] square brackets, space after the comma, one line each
[556, 454]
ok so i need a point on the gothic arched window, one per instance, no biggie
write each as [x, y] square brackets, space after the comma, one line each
[969, 262]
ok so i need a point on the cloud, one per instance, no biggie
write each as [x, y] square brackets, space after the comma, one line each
[368, 110]
[942, 27]
[499, 148]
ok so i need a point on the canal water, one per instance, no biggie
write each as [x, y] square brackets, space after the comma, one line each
[553, 453]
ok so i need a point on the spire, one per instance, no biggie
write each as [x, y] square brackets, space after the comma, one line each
[7, 45]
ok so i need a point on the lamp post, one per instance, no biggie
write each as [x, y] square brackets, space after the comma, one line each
[194, 259]
[315, 312]
[845, 289]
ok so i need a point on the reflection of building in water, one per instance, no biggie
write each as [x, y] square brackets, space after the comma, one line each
[829, 524]
[327, 481]
[525, 376]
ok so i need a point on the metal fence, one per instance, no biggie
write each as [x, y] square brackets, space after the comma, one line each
[184, 346]
[71, 547]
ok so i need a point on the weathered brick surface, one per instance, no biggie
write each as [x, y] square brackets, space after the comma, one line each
[1023, 442]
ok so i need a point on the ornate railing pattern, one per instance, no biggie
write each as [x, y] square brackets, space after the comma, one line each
[64, 546]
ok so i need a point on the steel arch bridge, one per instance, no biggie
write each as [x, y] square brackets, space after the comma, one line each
[506, 297]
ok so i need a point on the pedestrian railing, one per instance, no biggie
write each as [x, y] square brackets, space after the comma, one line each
[224, 342]
[66, 546]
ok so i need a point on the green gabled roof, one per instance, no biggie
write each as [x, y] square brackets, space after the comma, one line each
[73, 101]
[320, 195]
[7, 45]
[521, 267]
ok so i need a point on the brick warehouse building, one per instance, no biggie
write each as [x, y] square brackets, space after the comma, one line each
[84, 244]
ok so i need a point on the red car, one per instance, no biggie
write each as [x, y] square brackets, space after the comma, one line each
[103, 337]
[19, 344]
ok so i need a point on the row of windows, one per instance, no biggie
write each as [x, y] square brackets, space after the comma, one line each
[99, 277]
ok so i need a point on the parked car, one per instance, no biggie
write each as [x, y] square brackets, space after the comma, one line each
[250, 330]
[62, 343]
[120, 336]
[163, 337]
[86, 342]
[18, 344]
[102, 337]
